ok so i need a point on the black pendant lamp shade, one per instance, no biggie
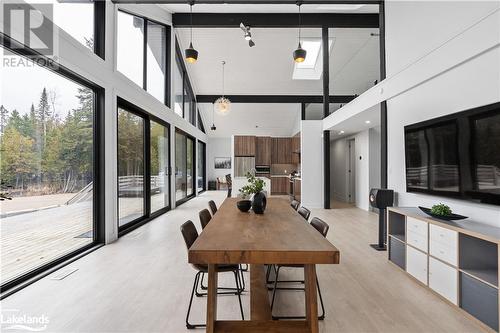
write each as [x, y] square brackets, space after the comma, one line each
[190, 53]
[299, 55]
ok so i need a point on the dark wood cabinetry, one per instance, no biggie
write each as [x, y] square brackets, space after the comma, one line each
[280, 185]
[282, 151]
[295, 150]
[263, 149]
[244, 145]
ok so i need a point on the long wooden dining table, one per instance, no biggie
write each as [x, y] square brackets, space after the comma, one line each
[279, 236]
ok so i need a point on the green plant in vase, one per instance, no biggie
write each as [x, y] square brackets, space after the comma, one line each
[254, 187]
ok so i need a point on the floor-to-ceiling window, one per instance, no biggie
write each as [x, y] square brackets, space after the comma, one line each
[49, 157]
[131, 177]
[143, 166]
[184, 166]
[142, 53]
[160, 166]
[201, 167]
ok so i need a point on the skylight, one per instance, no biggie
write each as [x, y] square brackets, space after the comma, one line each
[312, 67]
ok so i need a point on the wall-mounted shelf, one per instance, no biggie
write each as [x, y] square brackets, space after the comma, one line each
[461, 263]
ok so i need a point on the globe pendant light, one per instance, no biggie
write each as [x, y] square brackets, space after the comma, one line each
[223, 104]
[299, 55]
[190, 52]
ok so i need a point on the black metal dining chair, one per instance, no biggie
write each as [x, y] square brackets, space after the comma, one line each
[213, 206]
[322, 227]
[190, 234]
[229, 182]
[304, 212]
[205, 217]
[295, 204]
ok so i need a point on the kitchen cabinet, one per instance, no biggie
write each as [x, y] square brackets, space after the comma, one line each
[244, 145]
[282, 151]
[263, 147]
[296, 149]
[279, 185]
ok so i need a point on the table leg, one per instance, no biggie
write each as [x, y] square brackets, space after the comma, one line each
[212, 298]
[311, 298]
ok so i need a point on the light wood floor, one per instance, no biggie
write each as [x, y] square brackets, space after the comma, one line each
[141, 283]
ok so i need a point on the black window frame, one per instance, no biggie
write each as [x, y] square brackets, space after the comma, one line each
[200, 124]
[148, 215]
[186, 87]
[204, 167]
[168, 28]
[98, 168]
[193, 195]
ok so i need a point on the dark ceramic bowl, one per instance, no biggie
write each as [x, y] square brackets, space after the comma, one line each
[244, 205]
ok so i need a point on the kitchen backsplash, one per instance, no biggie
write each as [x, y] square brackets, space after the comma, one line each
[283, 169]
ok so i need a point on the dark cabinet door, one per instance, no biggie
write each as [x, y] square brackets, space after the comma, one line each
[244, 145]
[263, 147]
[282, 151]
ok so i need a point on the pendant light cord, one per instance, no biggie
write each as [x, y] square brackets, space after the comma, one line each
[223, 63]
[191, 11]
[300, 21]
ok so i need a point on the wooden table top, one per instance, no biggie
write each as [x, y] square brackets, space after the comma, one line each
[279, 236]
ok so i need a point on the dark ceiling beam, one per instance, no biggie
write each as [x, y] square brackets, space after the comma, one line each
[255, 2]
[276, 98]
[276, 20]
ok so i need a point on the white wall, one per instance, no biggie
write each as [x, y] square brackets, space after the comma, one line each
[450, 63]
[217, 147]
[472, 83]
[366, 170]
[311, 134]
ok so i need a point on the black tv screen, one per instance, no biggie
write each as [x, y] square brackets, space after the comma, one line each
[456, 156]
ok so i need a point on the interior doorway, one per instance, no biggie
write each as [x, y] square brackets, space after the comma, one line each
[351, 171]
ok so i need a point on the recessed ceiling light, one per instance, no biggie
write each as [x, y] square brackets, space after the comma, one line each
[341, 132]
[367, 122]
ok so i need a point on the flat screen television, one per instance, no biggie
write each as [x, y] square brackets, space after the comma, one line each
[457, 155]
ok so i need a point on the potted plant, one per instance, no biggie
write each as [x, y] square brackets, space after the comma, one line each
[443, 212]
[254, 187]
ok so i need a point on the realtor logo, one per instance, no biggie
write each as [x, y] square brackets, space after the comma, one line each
[30, 25]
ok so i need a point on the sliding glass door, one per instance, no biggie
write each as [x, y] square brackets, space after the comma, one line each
[143, 166]
[184, 167]
[159, 166]
[131, 178]
[200, 172]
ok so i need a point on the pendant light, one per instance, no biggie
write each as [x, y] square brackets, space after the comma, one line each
[190, 52]
[223, 104]
[213, 128]
[299, 55]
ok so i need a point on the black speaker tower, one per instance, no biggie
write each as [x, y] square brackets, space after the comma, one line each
[381, 199]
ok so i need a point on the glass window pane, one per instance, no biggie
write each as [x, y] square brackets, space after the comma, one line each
[190, 166]
[178, 89]
[187, 105]
[201, 166]
[159, 167]
[74, 17]
[47, 163]
[156, 60]
[130, 167]
[130, 46]
[180, 166]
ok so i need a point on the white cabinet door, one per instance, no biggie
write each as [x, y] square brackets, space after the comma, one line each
[416, 264]
[443, 279]
[444, 244]
[416, 226]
